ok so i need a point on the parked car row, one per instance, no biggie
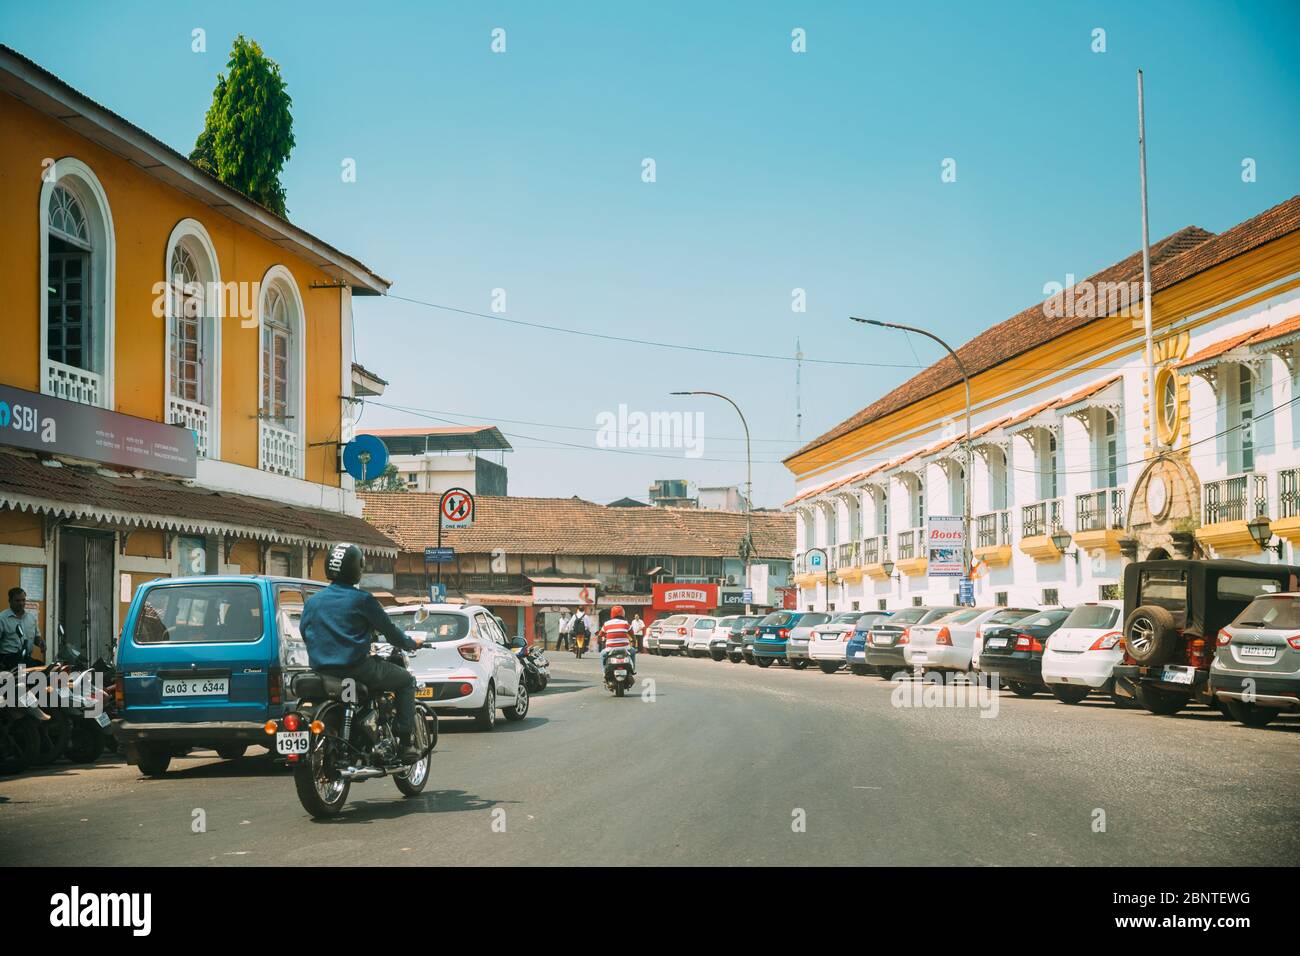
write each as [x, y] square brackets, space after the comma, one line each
[1223, 632]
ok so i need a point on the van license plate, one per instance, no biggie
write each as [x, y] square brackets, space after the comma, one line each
[1251, 651]
[197, 687]
[297, 742]
[1177, 675]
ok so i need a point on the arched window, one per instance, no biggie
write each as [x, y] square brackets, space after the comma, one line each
[282, 374]
[194, 334]
[77, 250]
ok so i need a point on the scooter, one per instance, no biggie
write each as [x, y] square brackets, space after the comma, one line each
[21, 739]
[618, 672]
[537, 673]
[579, 645]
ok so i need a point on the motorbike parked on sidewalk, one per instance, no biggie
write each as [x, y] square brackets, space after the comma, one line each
[341, 734]
[618, 672]
[21, 740]
[86, 707]
[537, 668]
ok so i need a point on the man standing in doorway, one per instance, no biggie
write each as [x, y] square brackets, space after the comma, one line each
[19, 633]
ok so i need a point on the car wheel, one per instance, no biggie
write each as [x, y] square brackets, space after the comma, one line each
[486, 716]
[1128, 703]
[735, 658]
[520, 709]
[154, 760]
[1162, 702]
[231, 751]
[885, 671]
[763, 661]
[718, 656]
[1150, 635]
[798, 664]
[1069, 694]
[1022, 690]
[859, 669]
[829, 667]
[1252, 715]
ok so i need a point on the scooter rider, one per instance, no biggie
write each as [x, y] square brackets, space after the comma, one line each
[336, 625]
[617, 636]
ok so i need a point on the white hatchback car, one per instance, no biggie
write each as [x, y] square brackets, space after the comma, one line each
[467, 666]
[1081, 654]
[698, 635]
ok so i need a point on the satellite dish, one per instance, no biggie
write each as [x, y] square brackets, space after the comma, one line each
[365, 457]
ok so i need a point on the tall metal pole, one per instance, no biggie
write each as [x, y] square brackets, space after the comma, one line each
[968, 464]
[749, 486]
[826, 561]
[1152, 398]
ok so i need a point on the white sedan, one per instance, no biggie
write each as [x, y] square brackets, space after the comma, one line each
[948, 643]
[467, 666]
[1081, 654]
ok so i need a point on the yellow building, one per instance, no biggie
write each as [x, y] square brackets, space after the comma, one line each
[176, 374]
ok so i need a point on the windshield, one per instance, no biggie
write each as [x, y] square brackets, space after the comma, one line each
[439, 626]
[200, 613]
[1271, 612]
[1095, 616]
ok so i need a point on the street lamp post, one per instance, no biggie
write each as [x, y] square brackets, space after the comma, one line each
[969, 462]
[749, 486]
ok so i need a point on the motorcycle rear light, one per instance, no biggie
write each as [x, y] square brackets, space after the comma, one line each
[270, 727]
[944, 637]
[1106, 642]
[291, 722]
[317, 727]
[1224, 638]
[469, 651]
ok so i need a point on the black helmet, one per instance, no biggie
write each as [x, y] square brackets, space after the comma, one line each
[345, 564]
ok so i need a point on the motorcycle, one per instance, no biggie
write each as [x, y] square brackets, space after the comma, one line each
[341, 734]
[21, 740]
[536, 667]
[618, 672]
[579, 645]
[86, 707]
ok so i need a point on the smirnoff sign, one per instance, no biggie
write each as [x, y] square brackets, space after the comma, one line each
[685, 597]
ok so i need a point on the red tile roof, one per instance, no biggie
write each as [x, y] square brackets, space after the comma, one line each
[1173, 259]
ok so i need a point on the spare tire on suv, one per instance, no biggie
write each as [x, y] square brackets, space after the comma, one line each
[1151, 636]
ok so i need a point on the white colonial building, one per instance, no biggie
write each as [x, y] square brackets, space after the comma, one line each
[1076, 464]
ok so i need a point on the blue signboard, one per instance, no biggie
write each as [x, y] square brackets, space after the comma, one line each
[815, 560]
[443, 555]
[966, 592]
[437, 593]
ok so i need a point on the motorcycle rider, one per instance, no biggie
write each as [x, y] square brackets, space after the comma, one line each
[336, 626]
[617, 636]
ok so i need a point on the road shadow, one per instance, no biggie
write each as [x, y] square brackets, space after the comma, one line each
[61, 768]
[455, 726]
[391, 808]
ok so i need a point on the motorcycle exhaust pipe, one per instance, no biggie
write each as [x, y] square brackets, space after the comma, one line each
[361, 773]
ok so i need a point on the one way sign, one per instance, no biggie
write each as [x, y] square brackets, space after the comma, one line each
[457, 507]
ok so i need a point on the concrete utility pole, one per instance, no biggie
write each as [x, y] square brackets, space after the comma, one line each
[1152, 398]
[747, 548]
[968, 465]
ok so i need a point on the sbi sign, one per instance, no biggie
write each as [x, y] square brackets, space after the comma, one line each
[24, 418]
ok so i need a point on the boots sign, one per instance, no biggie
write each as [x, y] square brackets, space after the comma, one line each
[56, 426]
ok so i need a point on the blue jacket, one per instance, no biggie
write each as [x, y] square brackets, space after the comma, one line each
[337, 623]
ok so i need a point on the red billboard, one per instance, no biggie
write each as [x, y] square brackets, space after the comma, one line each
[685, 598]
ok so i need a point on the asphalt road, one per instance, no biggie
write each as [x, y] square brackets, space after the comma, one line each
[726, 765]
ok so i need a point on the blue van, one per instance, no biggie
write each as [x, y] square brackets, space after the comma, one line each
[206, 662]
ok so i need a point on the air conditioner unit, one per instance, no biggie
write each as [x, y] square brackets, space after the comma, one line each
[731, 580]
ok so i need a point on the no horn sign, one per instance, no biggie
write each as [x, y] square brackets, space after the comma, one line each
[457, 507]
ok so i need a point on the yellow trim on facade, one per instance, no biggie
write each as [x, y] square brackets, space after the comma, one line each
[913, 567]
[1106, 541]
[994, 555]
[1229, 539]
[1040, 547]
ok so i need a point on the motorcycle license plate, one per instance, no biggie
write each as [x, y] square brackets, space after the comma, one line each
[620, 673]
[102, 720]
[197, 687]
[295, 742]
[424, 693]
[1177, 675]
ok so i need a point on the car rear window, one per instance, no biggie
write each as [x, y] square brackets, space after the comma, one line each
[440, 626]
[1244, 589]
[849, 618]
[1096, 616]
[908, 615]
[777, 619]
[200, 614]
[935, 613]
[1271, 612]
[961, 617]
[1166, 589]
[704, 622]
[1009, 616]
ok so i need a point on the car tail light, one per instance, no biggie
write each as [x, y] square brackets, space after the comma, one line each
[1196, 651]
[1294, 641]
[846, 637]
[1224, 638]
[466, 690]
[274, 685]
[1106, 642]
[291, 722]
[119, 691]
[906, 636]
[1027, 642]
[470, 652]
[681, 630]
[944, 637]
[783, 633]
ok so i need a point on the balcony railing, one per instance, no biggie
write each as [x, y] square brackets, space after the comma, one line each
[993, 529]
[193, 416]
[909, 544]
[847, 554]
[73, 384]
[279, 449]
[1101, 510]
[1042, 517]
[875, 550]
[1288, 493]
[1238, 498]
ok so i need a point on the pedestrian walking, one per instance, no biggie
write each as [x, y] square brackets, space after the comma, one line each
[566, 625]
[638, 629]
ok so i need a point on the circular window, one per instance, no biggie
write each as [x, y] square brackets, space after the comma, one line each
[1169, 408]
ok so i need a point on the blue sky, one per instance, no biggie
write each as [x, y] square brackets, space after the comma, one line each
[775, 170]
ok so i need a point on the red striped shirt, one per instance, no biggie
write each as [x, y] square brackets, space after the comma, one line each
[616, 631]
